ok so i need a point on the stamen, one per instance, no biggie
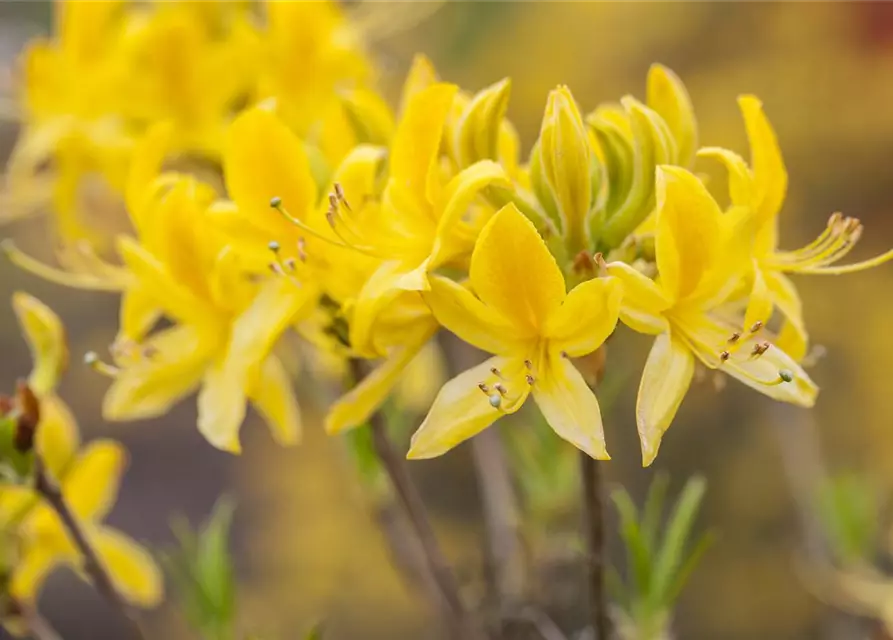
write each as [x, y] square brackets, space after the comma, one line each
[339, 193]
[734, 338]
[91, 359]
[500, 388]
[759, 349]
[496, 372]
[724, 356]
[65, 278]
[530, 379]
[483, 387]
[563, 354]
[756, 326]
[302, 249]
[528, 364]
[276, 203]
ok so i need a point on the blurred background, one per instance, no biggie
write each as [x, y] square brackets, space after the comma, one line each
[306, 544]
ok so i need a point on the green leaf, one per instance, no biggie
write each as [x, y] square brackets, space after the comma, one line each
[654, 506]
[637, 552]
[680, 524]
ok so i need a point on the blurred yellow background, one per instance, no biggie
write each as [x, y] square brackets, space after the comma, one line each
[306, 543]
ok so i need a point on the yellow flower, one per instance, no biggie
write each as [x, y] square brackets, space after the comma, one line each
[762, 186]
[89, 481]
[519, 311]
[701, 255]
[423, 214]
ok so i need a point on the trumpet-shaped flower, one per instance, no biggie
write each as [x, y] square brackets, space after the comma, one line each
[88, 479]
[424, 215]
[762, 186]
[701, 256]
[518, 309]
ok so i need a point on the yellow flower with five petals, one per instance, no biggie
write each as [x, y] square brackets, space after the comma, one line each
[519, 309]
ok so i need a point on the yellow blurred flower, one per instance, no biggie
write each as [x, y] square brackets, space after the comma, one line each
[522, 313]
[89, 480]
[701, 255]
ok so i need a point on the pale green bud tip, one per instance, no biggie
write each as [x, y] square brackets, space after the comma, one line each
[786, 375]
[276, 202]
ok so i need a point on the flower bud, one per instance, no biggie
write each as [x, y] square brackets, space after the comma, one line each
[482, 124]
[565, 166]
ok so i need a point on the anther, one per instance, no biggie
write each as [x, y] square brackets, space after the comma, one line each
[725, 355]
[500, 388]
[496, 372]
[291, 264]
[564, 354]
[302, 249]
[756, 326]
[483, 387]
[530, 379]
[528, 364]
[734, 338]
[759, 349]
[339, 192]
[333, 202]
[786, 375]
[91, 359]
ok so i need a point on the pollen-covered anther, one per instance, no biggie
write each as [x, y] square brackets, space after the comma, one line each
[756, 326]
[530, 379]
[564, 355]
[500, 388]
[339, 193]
[302, 249]
[724, 356]
[759, 349]
[483, 387]
[528, 364]
[734, 338]
[92, 360]
[291, 264]
[496, 372]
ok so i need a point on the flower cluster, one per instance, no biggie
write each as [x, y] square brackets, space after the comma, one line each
[365, 230]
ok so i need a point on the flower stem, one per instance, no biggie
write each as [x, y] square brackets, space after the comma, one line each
[594, 533]
[50, 491]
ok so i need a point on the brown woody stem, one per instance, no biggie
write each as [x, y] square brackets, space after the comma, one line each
[50, 491]
[594, 533]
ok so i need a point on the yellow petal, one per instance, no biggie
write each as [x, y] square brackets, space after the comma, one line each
[138, 314]
[770, 175]
[665, 381]
[355, 407]
[57, 438]
[262, 160]
[639, 291]
[586, 318]
[741, 186]
[570, 407]
[90, 484]
[31, 571]
[668, 97]
[131, 567]
[421, 76]
[377, 293]
[759, 306]
[148, 158]
[157, 283]
[455, 200]
[688, 232]
[513, 272]
[275, 400]
[461, 410]
[793, 338]
[416, 145]
[764, 373]
[149, 387]
[46, 337]
[459, 311]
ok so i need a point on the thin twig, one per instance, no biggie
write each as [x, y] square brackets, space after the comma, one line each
[50, 491]
[594, 533]
[37, 627]
[461, 621]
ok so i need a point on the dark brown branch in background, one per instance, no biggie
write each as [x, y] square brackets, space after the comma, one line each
[37, 627]
[594, 534]
[462, 622]
[49, 490]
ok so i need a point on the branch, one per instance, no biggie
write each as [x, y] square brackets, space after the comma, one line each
[594, 534]
[50, 491]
